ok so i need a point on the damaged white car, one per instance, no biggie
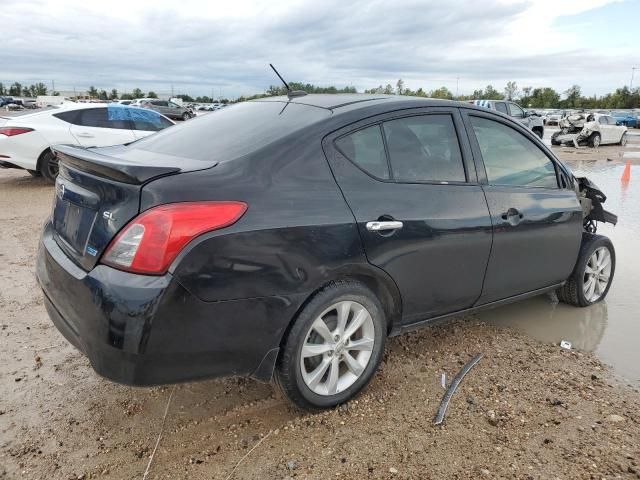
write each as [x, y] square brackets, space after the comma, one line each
[592, 129]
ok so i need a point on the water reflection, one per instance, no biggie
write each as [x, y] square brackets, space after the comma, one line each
[545, 319]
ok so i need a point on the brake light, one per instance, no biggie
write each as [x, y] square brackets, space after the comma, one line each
[152, 240]
[12, 131]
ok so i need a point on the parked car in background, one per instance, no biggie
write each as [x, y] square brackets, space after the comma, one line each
[305, 232]
[125, 102]
[533, 122]
[4, 101]
[26, 140]
[628, 119]
[553, 117]
[592, 129]
[169, 109]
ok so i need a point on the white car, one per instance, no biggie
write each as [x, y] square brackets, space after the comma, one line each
[592, 129]
[25, 140]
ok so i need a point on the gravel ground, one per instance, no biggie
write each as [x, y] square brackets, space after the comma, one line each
[528, 410]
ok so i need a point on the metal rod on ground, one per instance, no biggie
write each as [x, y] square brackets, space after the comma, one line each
[164, 419]
[442, 409]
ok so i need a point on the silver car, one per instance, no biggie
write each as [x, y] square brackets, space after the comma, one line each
[167, 108]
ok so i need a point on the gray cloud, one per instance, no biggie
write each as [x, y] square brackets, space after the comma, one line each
[361, 43]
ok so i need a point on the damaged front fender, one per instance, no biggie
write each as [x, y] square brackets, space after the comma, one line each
[591, 199]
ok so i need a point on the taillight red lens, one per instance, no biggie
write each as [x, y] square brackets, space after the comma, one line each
[11, 131]
[152, 240]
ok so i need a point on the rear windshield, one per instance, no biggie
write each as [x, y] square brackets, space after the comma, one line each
[232, 132]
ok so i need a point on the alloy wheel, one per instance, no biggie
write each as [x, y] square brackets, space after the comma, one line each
[52, 166]
[596, 274]
[337, 348]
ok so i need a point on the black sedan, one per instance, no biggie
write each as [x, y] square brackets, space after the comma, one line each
[288, 237]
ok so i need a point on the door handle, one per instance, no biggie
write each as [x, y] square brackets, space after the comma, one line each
[85, 135]
[513, 216]
[384, 226]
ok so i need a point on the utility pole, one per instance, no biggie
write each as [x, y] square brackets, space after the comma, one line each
[53, 86]
[633, 70]
[457, 83]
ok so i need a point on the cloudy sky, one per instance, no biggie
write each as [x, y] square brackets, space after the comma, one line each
[200, 46]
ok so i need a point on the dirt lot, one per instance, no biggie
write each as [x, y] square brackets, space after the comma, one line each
[528, 410]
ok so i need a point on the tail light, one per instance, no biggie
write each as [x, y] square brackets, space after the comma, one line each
[152, 240]
[12, 131]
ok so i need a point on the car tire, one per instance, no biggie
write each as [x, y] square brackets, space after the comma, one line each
[34, 173]
[185, 116]
[623, 139]
[554, 137]
[325, 377]
[539, 132]
[49, 166]
[594, 140]
[589, 272]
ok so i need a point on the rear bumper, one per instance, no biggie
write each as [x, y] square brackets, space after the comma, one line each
[144, 330]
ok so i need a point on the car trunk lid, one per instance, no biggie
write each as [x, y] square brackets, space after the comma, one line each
[98, 193]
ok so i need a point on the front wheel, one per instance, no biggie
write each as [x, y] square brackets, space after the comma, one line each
[593, 273]
[594, 140]
[623, 139]
[333, 348]
[186, 116]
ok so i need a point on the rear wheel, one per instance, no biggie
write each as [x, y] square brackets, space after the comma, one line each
[49, 166]
[594, 140]
[592, 275]
[333, 348]
[539, 132]
[554, 137]
[186, 116]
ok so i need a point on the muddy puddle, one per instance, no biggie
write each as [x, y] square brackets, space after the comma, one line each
[610, 329]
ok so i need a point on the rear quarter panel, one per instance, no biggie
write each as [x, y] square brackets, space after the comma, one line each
[296, 235]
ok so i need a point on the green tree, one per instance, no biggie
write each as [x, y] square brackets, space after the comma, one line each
[152, 94]
[388, 89]
[511, 90]
[185, 98]
[15, 90]
[543, 98]
[26, 92]
[93, 92]
[137, 93]
[442, 92]
[114, 94]
[39, 89]
[400, 86]
[3, 91]
[102, 95]
[573, 97]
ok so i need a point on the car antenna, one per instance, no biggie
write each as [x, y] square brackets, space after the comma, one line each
[290, 93]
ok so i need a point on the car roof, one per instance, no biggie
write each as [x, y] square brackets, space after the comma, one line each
[337, 101]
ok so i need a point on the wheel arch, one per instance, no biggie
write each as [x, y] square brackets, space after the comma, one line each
[376, 280]
[40, 157]
[538, 128]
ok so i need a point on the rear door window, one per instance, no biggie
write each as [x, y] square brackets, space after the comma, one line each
[365, 148]
[424, 148]
[94, 117]
[510, 158]
[501, 107]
